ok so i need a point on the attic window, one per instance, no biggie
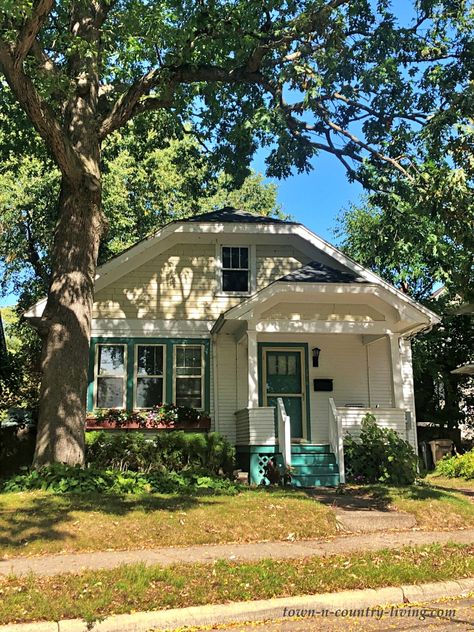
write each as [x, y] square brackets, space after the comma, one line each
[235, 269]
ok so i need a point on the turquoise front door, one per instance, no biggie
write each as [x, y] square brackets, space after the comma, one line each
[283, 376]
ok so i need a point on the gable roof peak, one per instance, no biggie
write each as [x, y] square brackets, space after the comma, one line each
[233, 215]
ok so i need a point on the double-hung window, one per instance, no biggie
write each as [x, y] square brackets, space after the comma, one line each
[111, 374]
[149, 381]
[235, 269]
[189, 375]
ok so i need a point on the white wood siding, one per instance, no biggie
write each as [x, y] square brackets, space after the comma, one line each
[182, 283]
[226, 386]
[274, 262]
[380, 374]
[255, 426]
[392, 418]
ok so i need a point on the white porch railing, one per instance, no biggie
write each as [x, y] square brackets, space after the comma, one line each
[394, 418]
[284, 433]
[336, 438]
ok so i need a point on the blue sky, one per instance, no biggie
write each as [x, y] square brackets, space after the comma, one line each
[317, 198]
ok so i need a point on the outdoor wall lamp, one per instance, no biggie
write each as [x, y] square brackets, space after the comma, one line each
[316, 352]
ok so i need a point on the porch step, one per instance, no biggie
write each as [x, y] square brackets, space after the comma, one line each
[310, 448]
[312, 459]
[313, 466]
[310, 470]
[321, 480]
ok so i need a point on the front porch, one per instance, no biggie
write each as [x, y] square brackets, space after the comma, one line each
[328, 372]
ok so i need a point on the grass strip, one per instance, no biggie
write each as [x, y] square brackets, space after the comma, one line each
[94, 595]
[36, 523]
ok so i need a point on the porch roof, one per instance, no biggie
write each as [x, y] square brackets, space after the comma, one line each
[316, 272]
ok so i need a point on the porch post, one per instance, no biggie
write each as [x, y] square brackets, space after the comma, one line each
[397, 378]
[252, 368]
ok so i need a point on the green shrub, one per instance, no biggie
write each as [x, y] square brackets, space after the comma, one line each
[459, 466]
[62, 479]
[380, 455]
[167, 451]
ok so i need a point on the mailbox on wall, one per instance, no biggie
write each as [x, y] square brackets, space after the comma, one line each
[322, 385]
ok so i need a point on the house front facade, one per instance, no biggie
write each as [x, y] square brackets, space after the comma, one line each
[283, 339]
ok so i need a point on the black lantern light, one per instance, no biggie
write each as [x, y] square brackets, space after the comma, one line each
[316, 352]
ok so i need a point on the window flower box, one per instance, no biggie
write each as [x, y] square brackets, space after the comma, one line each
[162, 417]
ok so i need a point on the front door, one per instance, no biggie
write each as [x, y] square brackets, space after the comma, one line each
[283, 376]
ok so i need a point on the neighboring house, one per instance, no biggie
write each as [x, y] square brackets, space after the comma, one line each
[228, 311]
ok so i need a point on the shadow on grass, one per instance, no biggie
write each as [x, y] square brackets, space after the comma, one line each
[43, 516]
[378, 497]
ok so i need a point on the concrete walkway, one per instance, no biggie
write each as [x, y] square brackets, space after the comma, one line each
[73, 563]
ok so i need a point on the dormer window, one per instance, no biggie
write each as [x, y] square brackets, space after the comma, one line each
[235, 269]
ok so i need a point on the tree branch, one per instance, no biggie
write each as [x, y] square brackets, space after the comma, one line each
[30, 30]
[33, 257]
[41, 116]
[130, 103]
[360, 143]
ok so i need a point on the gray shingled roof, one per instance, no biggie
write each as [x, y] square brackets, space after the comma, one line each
[315, 272]
[234, 215]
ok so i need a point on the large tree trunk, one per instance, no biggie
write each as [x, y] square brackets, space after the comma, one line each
[66, 324]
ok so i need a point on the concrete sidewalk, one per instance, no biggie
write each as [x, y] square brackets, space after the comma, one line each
[48, 565]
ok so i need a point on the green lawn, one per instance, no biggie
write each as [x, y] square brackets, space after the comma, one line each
[34, 523]
[92, 595]
[434, 508]
[451, 483]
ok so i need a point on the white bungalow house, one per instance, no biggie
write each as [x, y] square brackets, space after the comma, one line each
[286, 341]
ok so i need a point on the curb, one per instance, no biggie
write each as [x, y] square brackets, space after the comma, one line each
[254, 610]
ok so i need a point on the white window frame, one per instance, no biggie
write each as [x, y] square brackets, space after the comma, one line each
[202, 376]
[97, 376]
[252, 258]
[136, 376]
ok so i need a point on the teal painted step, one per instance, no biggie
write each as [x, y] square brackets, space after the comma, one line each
[328, 480]
[310, 470]
[309, 448]
[313, 466]
[312, 459]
